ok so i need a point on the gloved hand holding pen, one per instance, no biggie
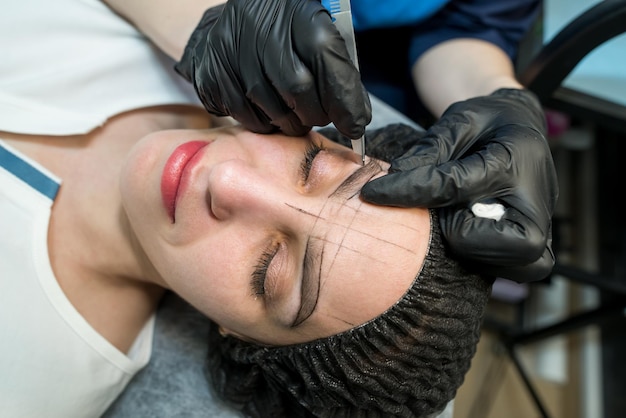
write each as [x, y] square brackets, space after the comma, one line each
[485, 148]
[275, 65]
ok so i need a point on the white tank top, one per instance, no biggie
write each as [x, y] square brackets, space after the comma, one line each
[52, 362]
[68, 65]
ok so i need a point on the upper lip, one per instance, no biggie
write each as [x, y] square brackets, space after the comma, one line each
[180, 161]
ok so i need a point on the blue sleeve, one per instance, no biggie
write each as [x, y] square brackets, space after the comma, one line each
[501, 22]
[372, 14]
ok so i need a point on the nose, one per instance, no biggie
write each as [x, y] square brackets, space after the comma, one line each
[236, 187]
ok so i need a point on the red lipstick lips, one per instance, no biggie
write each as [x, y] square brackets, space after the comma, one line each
[173, 173]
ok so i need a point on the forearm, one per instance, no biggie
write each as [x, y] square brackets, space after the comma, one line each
[167, 23]
[460, 69]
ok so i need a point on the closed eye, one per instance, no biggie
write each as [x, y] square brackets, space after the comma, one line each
[310, 153]
[259, 275]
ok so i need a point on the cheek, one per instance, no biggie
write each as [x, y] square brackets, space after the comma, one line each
[140, 190]
[211, 276]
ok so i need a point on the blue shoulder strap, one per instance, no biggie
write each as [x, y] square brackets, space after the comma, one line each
[28, 173]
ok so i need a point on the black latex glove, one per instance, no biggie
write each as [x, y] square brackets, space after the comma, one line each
[275, 64]
[481, 149]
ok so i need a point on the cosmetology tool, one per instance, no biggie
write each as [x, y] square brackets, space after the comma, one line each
[342, 15]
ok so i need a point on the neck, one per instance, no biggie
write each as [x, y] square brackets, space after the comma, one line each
[89, 231]
[89, 227]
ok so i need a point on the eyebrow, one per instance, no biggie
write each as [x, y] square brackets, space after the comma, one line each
[310, 289]
[309, 293]
[348, 187]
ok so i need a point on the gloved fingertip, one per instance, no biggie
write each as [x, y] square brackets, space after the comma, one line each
[366, 192]
[353, 125]
[260, 128]
[352, 131]
[371, 193]
[296, 130]
[378, 192]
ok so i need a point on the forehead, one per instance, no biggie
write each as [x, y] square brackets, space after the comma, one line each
[369, 262]
[370, 256]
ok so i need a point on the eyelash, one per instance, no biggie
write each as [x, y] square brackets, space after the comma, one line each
[311, 151]
[260, 270]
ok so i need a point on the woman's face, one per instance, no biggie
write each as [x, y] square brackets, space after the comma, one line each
[267, 235]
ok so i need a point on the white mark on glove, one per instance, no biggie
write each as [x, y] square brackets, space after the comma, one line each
[488, 210]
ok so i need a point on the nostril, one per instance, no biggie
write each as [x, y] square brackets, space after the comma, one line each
[216, 207]
[209, 205]
[226, 184]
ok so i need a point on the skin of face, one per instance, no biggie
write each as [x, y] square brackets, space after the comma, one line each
[335, 262]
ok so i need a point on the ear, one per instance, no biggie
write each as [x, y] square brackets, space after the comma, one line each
[225, 332]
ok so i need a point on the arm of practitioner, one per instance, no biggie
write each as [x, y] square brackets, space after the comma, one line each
[271, 65]
[488, 143]
[167, 23]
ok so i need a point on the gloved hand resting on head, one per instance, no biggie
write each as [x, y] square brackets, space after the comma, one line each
[275, 64]
[481, 149]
